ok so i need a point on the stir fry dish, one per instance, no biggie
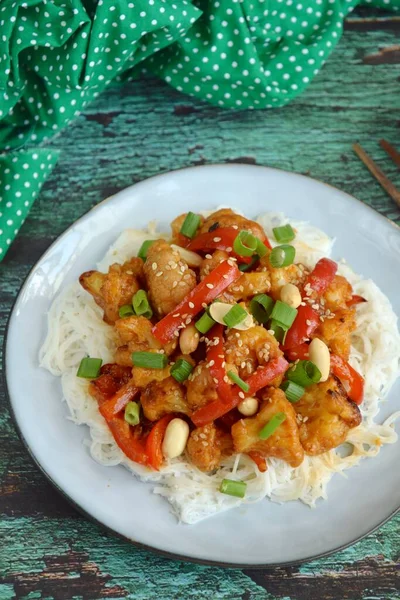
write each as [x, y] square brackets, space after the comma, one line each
[225, 345]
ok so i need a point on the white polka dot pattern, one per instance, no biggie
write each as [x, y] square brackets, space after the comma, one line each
[57, 56]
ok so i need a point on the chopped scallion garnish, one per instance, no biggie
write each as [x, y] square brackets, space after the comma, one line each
[181, 370]
[89, 368]
[245, 244]
[284, 234]
[279, 331]
[149, 360]
[304, 373]
[233, 488]
[235, 315]
[132, 410]
[283, 314]
[272, 426]
[261, 307]
[239, 382]
[282, 256]
[126, 311]
[293, 391]
[261, 248]
[144, 248]
[141, 305]
[246, 267]
[205, 323]
[190, 225]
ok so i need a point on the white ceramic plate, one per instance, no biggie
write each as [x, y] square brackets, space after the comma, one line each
[258, 535]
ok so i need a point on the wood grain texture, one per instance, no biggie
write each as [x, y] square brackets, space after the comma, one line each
[49, 551]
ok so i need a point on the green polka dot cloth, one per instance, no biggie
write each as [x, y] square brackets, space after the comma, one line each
[57, 55]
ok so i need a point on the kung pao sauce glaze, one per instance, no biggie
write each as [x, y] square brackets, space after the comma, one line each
[225, 345]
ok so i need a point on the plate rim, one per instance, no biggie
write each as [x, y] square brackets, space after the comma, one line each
[64, 494]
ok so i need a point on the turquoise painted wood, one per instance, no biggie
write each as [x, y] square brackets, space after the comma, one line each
[49, 551]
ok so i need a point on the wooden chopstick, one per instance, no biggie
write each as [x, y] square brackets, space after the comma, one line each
[388, 148]
[377, 173]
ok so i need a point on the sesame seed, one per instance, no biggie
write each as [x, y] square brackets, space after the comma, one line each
[210, 286]
[209, 256]
[216, 239]
[191, 305]
[176, 315]
[182, 284]
[215, 380]
[204, 305]
[174, 284]
[225, 276]
[308, 322]
[235, 226]
[211, 363]
[159, 274]
[154, 266]
[176, 333]
[241, 395]
[188, 321]
[229, 249]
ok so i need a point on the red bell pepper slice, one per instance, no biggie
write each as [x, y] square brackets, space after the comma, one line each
[297, 353]
[216, 362]
[125, 437]
[259, 379]
[356, 299]
[118, 401]
[321, 276]
[260, 461]
[154, 442]
[351, 379]
[205, 292]
[305, 323]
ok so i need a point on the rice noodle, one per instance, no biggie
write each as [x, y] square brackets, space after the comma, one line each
[76, 329]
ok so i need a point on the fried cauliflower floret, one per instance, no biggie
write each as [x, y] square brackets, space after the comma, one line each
[160, 398]
[326, 415]
[295, 274]
[338, 294]
[207, 445]
[225, 217]
[249, 349]
[176, 228]
[209, 264]
[200, 387]
[336, 332]
[143, 376]
[113, 289]
[284, 443]
[168, 277]
[134, 335]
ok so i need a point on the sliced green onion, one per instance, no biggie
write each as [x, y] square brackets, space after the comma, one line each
[149, 360]
[284, 234]
[141, 305]
[279, 331]
[304, 373]
[245, 244]
[293, 391]
[244, 267]
[190, 225]
[261, 248]
[235, 315]
[89, 368]
[272, 426]
[283, 314]
[144, 248]
[282, 256]
[236, 379]
[126, 311]
[261, 307]
[181, 370]
[233, 488]
[132, 410]
[205, 323]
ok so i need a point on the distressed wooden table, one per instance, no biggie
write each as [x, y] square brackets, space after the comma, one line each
[47, 550]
